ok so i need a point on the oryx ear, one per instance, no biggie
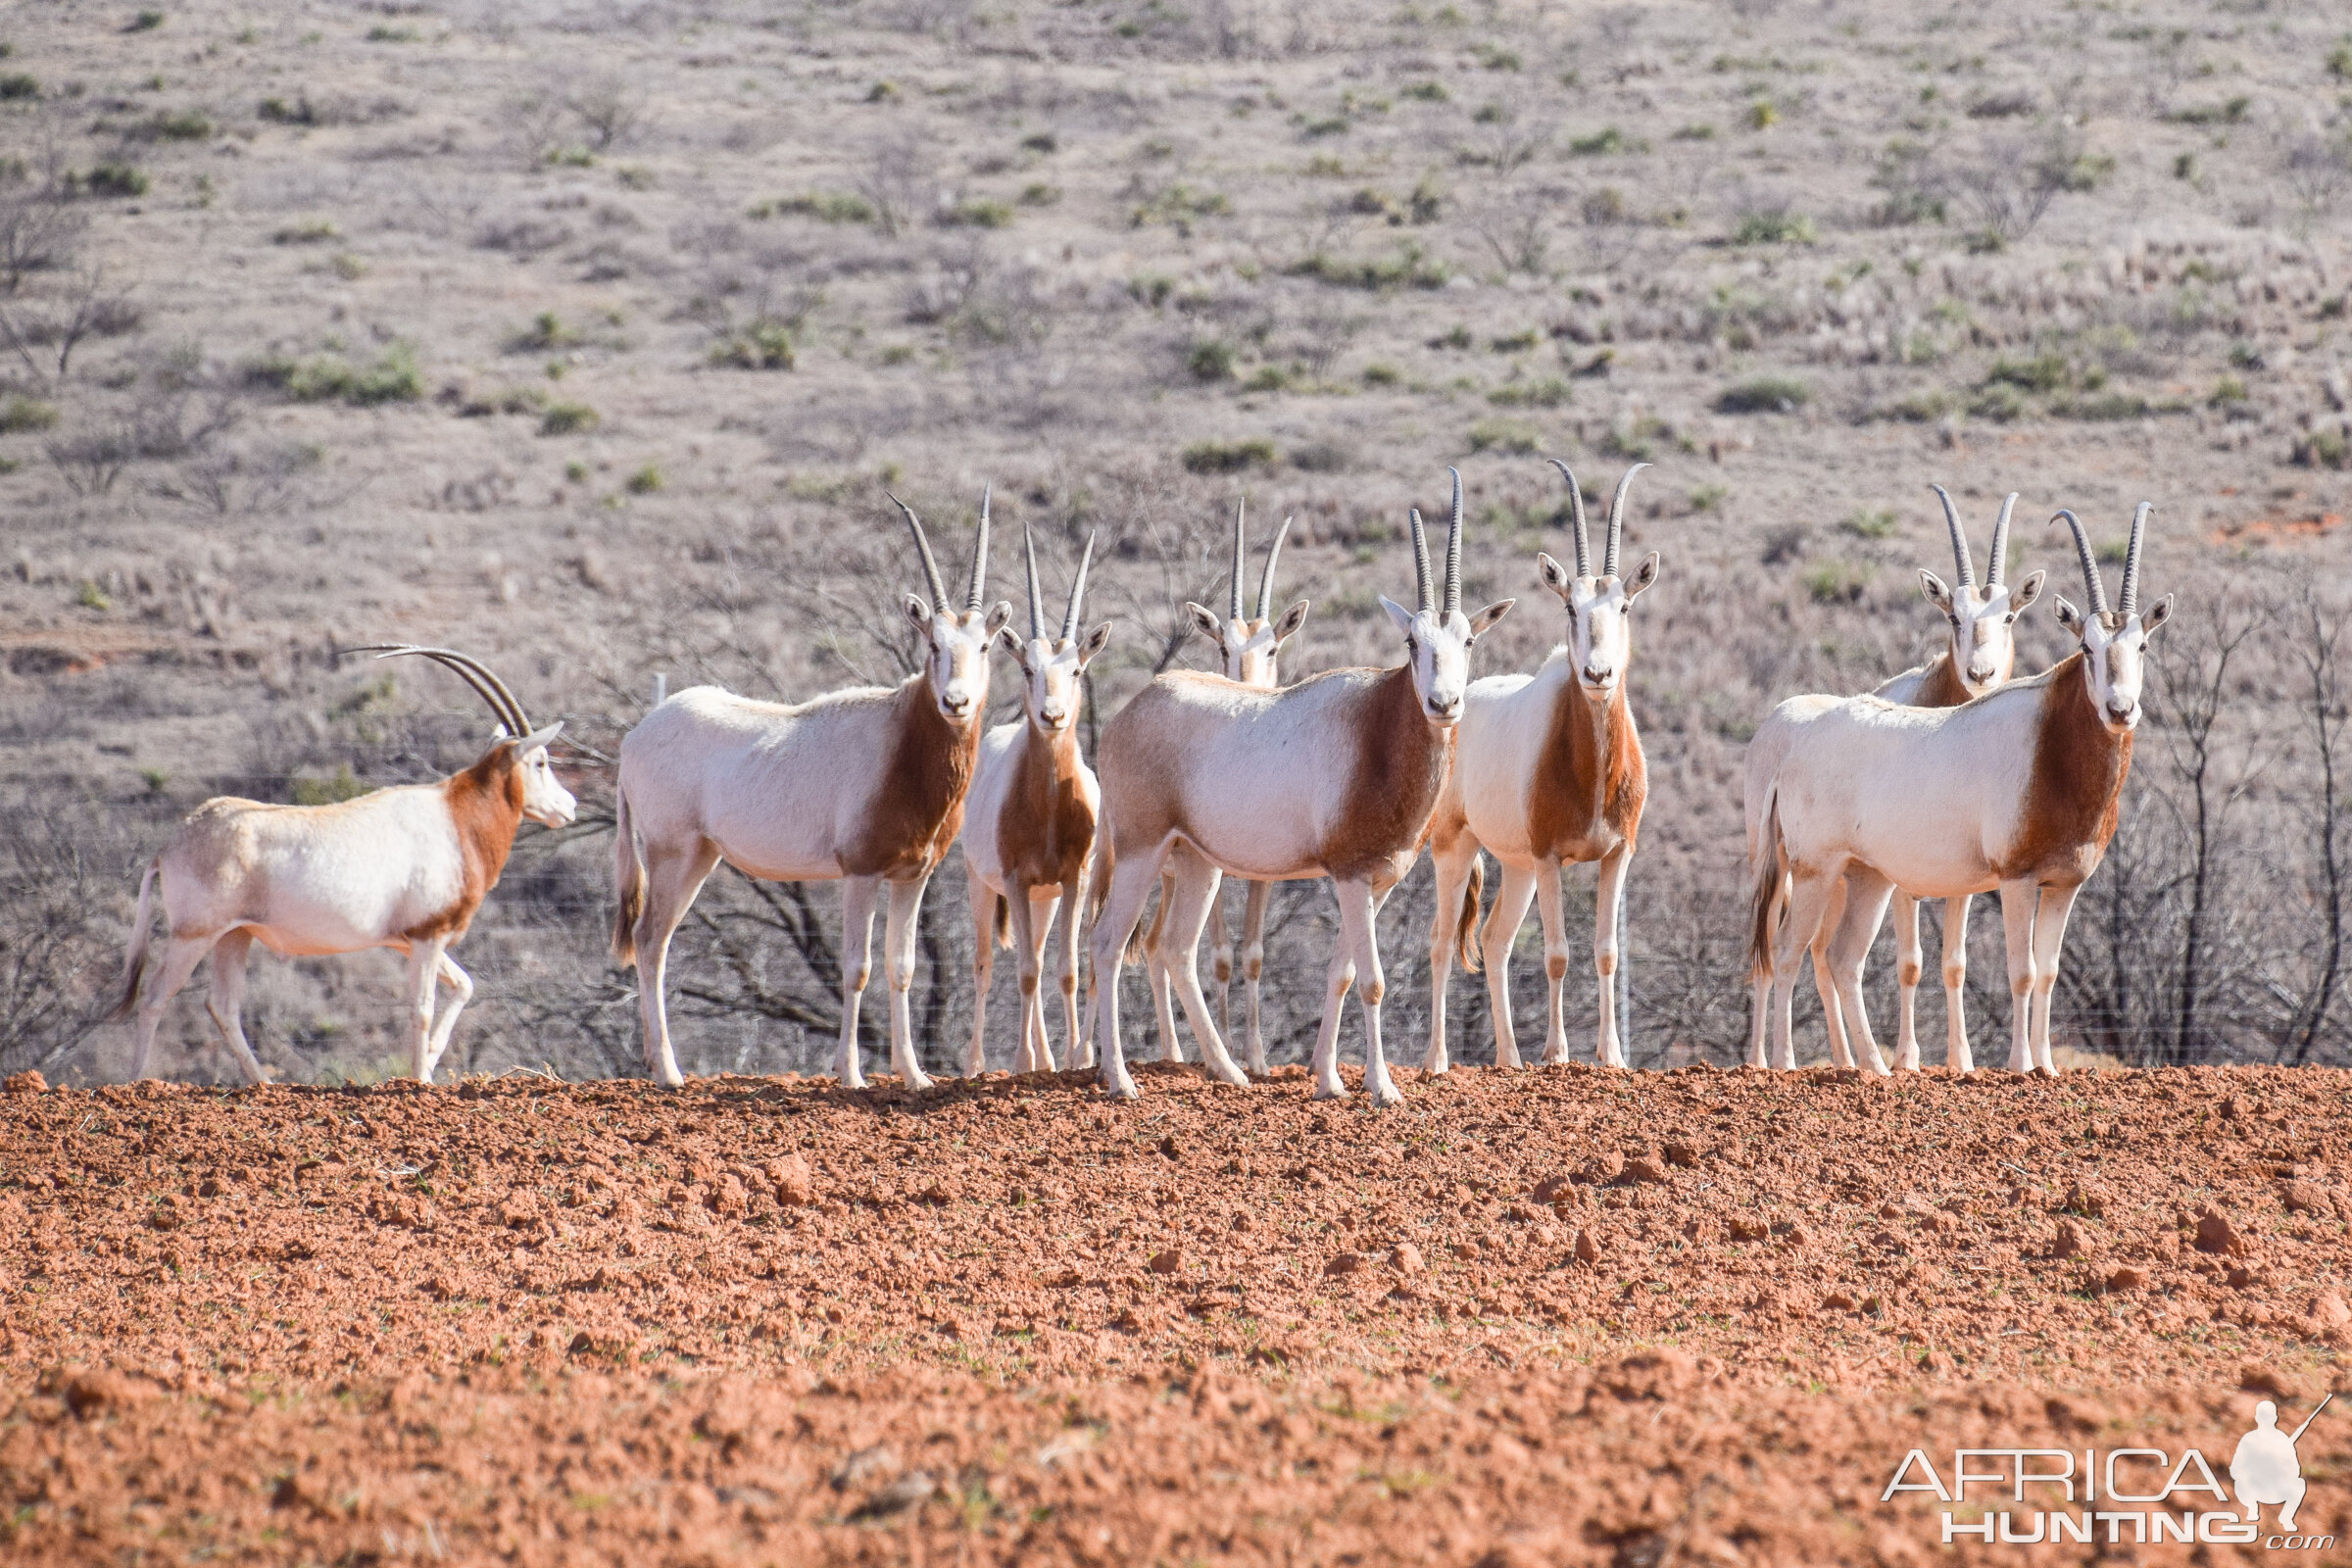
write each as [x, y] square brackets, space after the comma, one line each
[2068, 616]
[1644, 575]
[918, 612]
[1011, 641]
[1403, 616]
[1933, 587]
[999, 615]
[2025, 592]
[1555, 577]
[538, 739]
[1287, 626]
[1209, 625]
[2155, 615]
[1095, 641]
[1489, 615]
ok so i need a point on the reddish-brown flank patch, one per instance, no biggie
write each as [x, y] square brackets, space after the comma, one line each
[1563, 1316]
[1400, 768]
[2073, 793]
[485, 804]
[1592, 781]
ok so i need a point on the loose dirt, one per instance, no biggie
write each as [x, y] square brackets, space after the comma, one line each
[1562, 1316]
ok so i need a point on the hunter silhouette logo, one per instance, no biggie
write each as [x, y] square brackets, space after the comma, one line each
[2126, 1497]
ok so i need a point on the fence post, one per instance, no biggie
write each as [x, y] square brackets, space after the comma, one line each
[661, 688]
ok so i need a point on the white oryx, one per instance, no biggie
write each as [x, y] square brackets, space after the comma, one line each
[1029, 822]
[1549, 770]
[2017, 790]
[1336, 776]
[1247, 649]
[1979, 656]
[864, 785]
[404, 868]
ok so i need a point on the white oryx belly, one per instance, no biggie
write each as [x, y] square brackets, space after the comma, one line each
[1505, 722]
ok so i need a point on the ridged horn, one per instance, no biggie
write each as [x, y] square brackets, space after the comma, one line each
[922, 548]
[1265, 584]
[1999, 563]
[2091, 565]
[1454, 554]
[2139, 533]
[1960, 555]
[1037, 598]
[1420, 559]
[1070, 621]
[980, 553]
[1608, 560]
[1575, 515]
[1240, 548]
[488, 686]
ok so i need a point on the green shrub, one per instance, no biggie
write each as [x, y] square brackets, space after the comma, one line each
[313, 231]
[1838, 583]
[567, 418]
[17, 84]
[1998, 402]
[1773, 227]
[300, 112]
[830, 207]
[332, 378]
[1708, 497]
[179, 124]
[761, 346]
[1549, 393]
[21, 414]
[1210, 360]
[546, 331]
[2109, 406]
[2226, 391]
[1381, 375]
[145, 22]
[1228, 457]
[1412, 267]
[110, 179]
[1434, 92]
[1601, 143]
[644, 482]
[327, 791]
[1510, 437]
[1764, 394]
[2339, 60]
[978, 212]
[1866, 524]
[1322, 457]
[1040, 194]
[2044, 372]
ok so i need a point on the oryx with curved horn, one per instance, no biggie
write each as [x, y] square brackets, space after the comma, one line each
[1029, 823]
[1979, 654]
[1248, 650]
[1335, 776]
[865, 786]
[2017, 790]
[1549, 771]
[403, 867]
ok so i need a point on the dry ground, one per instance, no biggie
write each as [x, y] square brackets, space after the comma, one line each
[1559, 1318]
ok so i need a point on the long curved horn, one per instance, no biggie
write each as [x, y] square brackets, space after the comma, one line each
[2139, 532]
[1233, 585]
[1037, 599]
[922, 548]
[2091, 565]
[488, 687]
[1454, 554]
[1265, 584]
[1999, 563]
[980, 553]
[1575, 513]
[1951, 520]
[1420, 558]
[1069, 621]
[1608, 560]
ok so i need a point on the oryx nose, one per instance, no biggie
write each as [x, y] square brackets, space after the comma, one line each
[1055, 715]
[955, 703]
[2121, 713]
[1599, 674]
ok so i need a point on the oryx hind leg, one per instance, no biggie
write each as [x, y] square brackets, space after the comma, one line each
[1810, 895]
[1196, 886]
[1360, 938]
[226, 1002]
[858, 894]
[1907, 970]
[1956, 1054]
[1865, 895]
[898, 953]
[1825, 980]
[461, 988]
[673, 876]
[1253, 965]
[1608, 954]
[1131, 883]
[182, 955]
[983, 902]
[1452, 863]
[1495, 944]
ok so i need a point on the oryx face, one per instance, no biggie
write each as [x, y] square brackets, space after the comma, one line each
[1438, 648]
[1600, 631]
[544, 800]
[1983, 625]
[1249, 647]
[2115, 656]
[1051, 675]
[956, 646]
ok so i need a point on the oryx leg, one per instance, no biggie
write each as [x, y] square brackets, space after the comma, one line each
[1907, 970]
[2019, 902]
[460, 986]
[1956, 1054]
[2050, 938]
[1196, 885]
[1031, 924]
[1073, 902]
[182, 955]
[1865, 895]
[858, 898]
[1221, 962]
[1809, 894]
[227, 1001]
[983, 901]
[1131, 883]
[672, 878]
[1759, 975]
[1158, 948]
[1359, 935]
[899, 930]
[1495, 942]
[424, 979]
[1825, 982]
[1253, 965]
[1607, 955]
[1049, 901]
[1548, 895]
[1451, 862]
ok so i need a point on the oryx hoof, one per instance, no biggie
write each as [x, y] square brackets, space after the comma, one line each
[1334, 1090]
[1227, 1073]
[1387, 1094]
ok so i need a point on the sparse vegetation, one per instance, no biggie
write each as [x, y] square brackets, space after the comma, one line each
[1764, 394]
[391, 377]
[1228, 457]
[567, 418]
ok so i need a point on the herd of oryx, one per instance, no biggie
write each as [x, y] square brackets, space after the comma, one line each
[1948, 781]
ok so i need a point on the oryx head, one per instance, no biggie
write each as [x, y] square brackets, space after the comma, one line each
[958, 640]
[1437, 636]
[1601, 632]
[1982, 616]
[2114, 641]
[1248, 645]
[544, 800]
[1051, 666]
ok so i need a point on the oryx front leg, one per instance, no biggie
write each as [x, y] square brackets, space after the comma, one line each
[424, 978]
[1130, 886]
[1073, 901]
[226, 1004]
[1452, 867]
[2049, 939]
[1195, 897]
[1956, 1054]
[1548, 895]
[1495, 944]
[460, 986]
[897, 951]
[1607, 956]
[1253, 965]
[2019, 899]
[1866, 895]
[858, 897]
[983, 901]
[182, 955]
[1907, 970]
[672, 878]
[1361, 936]
[1031, 924]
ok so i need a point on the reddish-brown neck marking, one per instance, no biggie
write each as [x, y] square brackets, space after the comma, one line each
[1591, 779]
[2075, 787]
[916, 809]
[485, 805]
[1048, 828]
[1941, 686]
[1398, 770]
